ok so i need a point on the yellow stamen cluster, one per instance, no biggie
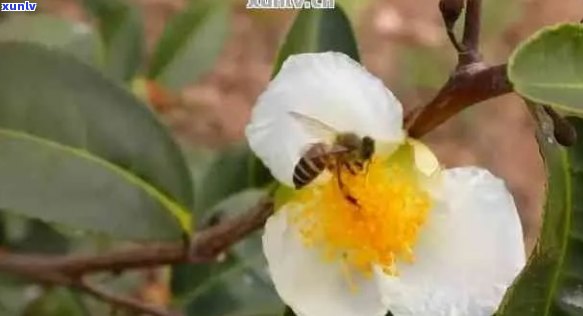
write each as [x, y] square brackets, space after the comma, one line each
[381, 228]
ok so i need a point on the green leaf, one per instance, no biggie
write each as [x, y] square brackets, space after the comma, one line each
[547, 68]
[121, 28]
[74, 38]
[288, 312]
[3, 230]
[127, 284]
[191, 43]
[235, 290]
[35, 236]
[319, 31]
[238, 284]
[234, 170]
[199, 161]
[56, 302]
[12, 300]
[552, 282]
[81, 151]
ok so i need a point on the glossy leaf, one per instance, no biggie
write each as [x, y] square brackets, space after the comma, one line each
[547, 68]
[72, 37]
[29, 235]
[191, 43]
[552, 282]
[319, 31]
[199, 161]
[56, 302]
[235, 290]
[121, 28]
[234, 170]
[81, 151]
[12, 300]
[3, 231]
[288, 312]
[148, 284]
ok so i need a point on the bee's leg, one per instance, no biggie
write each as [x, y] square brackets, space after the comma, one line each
[349, 167]
[352, 200]
[365, 167]
[343, 189]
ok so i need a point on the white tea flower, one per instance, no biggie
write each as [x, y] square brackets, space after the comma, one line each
[396, 233]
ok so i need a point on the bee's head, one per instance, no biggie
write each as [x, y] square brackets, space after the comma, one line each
[367, 149]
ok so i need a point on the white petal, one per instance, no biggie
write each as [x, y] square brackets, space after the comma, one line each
[329, 87]
[310, 286]
[469, 252]
[425, 160]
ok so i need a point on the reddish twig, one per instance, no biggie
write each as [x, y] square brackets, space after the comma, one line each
[207, 244]
[464, 88]
[468, 50]
[471, 37]
[450, 12]
[77, 265]
[122, 302]
[70, 270]
[471, 82]
[211, 242]
[564, 133]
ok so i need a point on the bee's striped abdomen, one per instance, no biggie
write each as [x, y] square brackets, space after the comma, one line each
[309, 166]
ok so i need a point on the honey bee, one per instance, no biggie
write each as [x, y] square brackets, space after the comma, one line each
[348, 151]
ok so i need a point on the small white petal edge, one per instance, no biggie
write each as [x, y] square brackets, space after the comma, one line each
[329, 87]
[425, 160]
[469, 252]
[310, 286]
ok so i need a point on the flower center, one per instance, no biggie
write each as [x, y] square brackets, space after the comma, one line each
[375, 225]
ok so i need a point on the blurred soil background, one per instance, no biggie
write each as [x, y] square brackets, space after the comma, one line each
[401, 41]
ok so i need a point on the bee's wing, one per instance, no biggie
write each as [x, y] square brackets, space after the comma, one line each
[317, 151]
[338, 149]
[315, 126]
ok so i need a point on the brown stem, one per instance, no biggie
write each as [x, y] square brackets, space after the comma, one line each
[122, 302]
[456, 44]
[466, 87]
[211, 242]
[471, 37]
[207, 244]
[564, 133]
[450, 12]
[70, 270]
